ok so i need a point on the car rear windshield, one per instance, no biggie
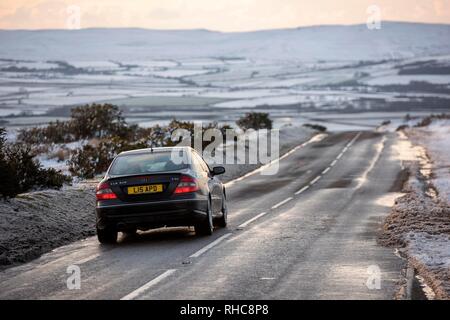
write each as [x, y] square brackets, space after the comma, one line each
[143, 163]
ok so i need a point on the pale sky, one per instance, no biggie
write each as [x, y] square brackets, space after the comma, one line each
[221, 15]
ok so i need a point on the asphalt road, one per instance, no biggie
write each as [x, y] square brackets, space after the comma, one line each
[308, 232]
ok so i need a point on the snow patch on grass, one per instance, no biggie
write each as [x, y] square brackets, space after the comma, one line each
[436, 139]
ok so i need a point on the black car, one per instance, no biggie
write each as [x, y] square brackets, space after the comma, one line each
[152, 188]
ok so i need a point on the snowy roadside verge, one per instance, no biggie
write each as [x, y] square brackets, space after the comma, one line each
[419, 224]
[37, 222]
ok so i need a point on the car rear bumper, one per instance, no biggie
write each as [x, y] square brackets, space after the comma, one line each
[123, 216]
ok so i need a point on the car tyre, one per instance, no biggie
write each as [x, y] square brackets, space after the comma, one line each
[206, 227]
[107, 236]
[223, 220]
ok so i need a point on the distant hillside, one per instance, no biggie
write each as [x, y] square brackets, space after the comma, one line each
[355, 42]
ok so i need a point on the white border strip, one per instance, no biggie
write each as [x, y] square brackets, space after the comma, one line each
[246, 223]
[326, 170]
[279, 204]
[302, 190]
[315, 180]
[209, 246]
[133, 295]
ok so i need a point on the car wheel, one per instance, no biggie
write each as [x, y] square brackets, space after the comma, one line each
[206, 227]
[223, 220]
[107, 236]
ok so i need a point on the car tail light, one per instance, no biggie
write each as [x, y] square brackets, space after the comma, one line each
[187, 184]
[104, 192]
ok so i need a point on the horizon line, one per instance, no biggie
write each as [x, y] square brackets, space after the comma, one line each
[218, 31]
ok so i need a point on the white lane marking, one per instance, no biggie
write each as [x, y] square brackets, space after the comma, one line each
[209, 246]
[333, 163]
[326, 170]
[315, 180]
[346, 148]
[353, 140]
[379, 150]
[316, 138]
[148, 285]
[279, 204]
[246, 223]
[302, 190]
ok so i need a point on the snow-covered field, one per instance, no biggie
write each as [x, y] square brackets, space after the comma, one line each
[285, 72]
[221, 92]
[406, 79]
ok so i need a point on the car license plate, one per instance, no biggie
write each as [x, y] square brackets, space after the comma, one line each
[153, 188]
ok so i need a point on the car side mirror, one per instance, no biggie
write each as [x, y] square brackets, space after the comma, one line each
[218, 170]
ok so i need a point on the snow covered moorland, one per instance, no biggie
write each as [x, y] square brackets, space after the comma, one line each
[154, 74]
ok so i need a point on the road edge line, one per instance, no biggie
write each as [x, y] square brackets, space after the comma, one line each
[198, 253]
[279, 204]
[136, 293]
[246, 223]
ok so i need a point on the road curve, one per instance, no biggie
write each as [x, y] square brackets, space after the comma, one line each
[308, 232]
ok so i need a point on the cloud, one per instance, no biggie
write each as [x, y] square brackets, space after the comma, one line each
[163, 14]
[48, 14]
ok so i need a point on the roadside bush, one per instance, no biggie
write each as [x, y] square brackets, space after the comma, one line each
[90, 121]
[7, 178]
[402, 127]
[255, 120]
[85, 162]
[89, 161]
[317, 127]
[424, 122]
[51, 178]
[429, 119]
[108, 134]
[54, 132]
[190, 126]
[155, 136]
[94, 159]
[98, 121]
[20, 172]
